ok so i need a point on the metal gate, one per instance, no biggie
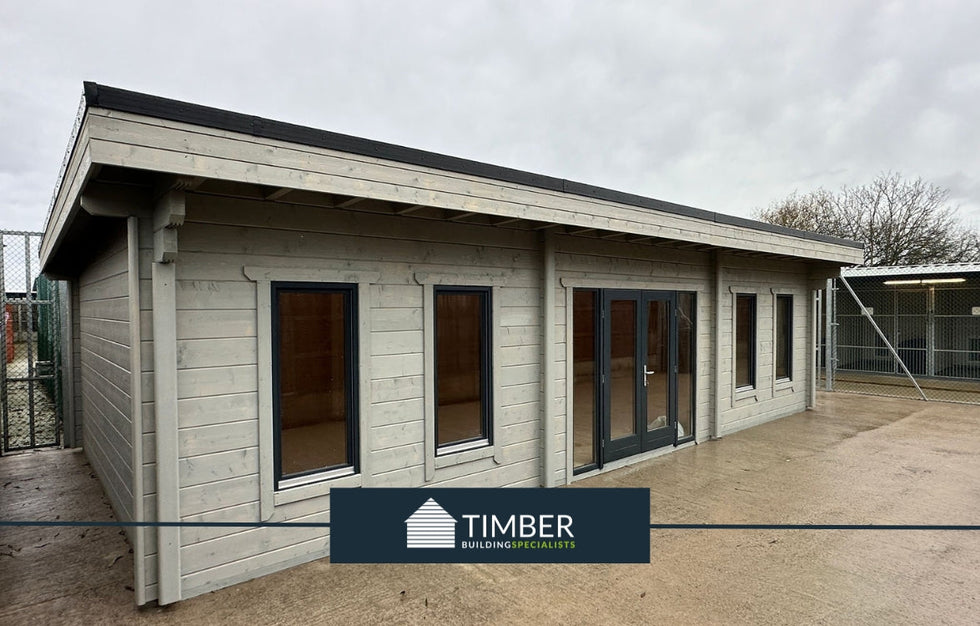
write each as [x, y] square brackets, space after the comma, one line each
[31, 395]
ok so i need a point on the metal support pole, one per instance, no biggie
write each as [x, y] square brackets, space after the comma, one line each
[818, 330]
[833, 338]
[931, 332]
[30, 336]
[3, 357]
[54, 327]
[814, 311]
[828, 364]
[864, 312]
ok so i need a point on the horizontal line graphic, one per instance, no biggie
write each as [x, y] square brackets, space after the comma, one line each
[94, 523]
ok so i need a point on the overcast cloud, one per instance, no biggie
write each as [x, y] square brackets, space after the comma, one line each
[725, 106]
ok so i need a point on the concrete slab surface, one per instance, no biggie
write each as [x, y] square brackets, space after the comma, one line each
[854, 460]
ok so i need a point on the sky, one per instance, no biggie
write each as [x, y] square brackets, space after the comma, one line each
[725, 106]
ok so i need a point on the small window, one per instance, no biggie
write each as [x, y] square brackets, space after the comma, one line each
[784, 337]
[314, 396]
[745, 341]
[462, 345]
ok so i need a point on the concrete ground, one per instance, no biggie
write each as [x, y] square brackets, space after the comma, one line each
[854, 460]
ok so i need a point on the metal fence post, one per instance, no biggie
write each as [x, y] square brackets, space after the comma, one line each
[3, 358]
[828, 319]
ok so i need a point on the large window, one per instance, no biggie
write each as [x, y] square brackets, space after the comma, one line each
[745, 343]
[314, 361]
[586, 372]
[784, 337]
[462, 345]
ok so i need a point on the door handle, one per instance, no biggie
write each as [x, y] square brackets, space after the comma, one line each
[646, 373]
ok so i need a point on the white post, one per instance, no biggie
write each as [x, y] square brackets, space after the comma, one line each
[716, 348]
[167, 216]
[548, 302]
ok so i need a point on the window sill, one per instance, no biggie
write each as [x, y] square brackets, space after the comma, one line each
[322, 485]
[746, 393]
[783, 383]
[463, 453]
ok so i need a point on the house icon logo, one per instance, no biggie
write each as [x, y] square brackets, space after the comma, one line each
[430, 527]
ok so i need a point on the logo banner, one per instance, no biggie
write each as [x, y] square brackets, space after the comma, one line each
[489, 525]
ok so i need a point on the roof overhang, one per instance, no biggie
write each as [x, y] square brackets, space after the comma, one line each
[159, 141]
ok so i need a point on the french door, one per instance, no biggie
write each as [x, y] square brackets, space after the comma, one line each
[638, 372]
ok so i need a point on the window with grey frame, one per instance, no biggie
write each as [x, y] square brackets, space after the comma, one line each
[745, 340]
[784, 337]
[314, 361]
[463, 387]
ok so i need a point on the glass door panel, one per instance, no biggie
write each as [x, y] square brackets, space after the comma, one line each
[658, 376]
[655, 375]
[685, 365]
[637, 381]
[622, 368]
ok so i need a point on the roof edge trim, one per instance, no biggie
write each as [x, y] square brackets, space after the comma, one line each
[126, 101]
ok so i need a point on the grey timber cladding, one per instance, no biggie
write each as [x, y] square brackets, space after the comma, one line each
[174, 110]
[769, 399]
[217, 373]
[104, 368]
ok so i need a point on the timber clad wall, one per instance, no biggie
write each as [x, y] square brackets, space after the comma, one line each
[217, 361]
[769, 399]
[219, 445]
[104, 372]
[76, 365]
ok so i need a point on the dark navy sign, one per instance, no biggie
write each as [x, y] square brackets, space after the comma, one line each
[490, 525]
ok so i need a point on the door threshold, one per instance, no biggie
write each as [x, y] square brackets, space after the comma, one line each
[633, 460]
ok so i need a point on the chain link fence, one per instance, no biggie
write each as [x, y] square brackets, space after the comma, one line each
[31, 393]
[912, 335]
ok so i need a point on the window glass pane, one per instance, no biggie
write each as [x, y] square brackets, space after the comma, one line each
[685, 365]
[744, 340]
[622, 368]
[784, 335]
[657, 363]
[460, 319]
[312, 381]
[584, 363]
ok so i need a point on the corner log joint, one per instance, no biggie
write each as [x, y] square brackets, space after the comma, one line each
[168, 215]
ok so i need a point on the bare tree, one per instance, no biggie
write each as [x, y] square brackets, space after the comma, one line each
[901, 222]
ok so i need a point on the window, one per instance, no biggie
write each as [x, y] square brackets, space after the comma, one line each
[686, 363]
[744, 341]
[784, 337]
[586, 375]
[462, 361]
[314, 357]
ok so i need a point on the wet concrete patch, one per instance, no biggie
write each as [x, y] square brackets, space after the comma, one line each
[855, 460]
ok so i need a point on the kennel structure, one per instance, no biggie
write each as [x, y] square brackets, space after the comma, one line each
[929, 313]
[266, 311]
